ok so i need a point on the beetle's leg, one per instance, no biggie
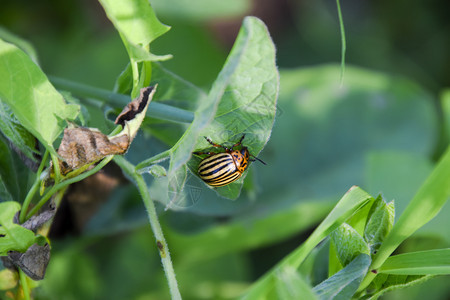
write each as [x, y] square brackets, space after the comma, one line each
[216, 145]
[240, 142]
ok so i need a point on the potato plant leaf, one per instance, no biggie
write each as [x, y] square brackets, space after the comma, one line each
[31, 97]
[138, 26]
[380, 223]
[348, 244]
[241, 100]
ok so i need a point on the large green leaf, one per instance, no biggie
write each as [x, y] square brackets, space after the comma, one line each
[241, 101]
[29, 94]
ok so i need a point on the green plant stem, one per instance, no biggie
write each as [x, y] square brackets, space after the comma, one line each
[116, 130]
[57, 171]
[24, 284]
[343, 42]
[33, 188]
[135, 72]
[140, 168]
[155, 109]
[129, 169]
[28, 199]
[65, 183]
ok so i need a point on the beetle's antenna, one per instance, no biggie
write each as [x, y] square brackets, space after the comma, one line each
[255, 158]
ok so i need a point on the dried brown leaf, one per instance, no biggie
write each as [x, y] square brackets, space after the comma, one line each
[33, 262]
[81, 146]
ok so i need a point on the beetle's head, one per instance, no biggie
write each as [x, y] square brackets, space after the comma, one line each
[245, 153]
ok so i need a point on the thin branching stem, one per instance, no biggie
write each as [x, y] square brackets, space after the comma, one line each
[343, 42]
[161, 243]
[24, 284]
[33, 188]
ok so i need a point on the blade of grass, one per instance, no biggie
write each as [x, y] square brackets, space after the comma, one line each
[291, 285]
[431, 262]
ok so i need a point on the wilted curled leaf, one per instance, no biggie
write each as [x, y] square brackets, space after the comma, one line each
[83, 146]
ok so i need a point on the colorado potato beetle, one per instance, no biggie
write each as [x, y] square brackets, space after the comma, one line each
[219, 169]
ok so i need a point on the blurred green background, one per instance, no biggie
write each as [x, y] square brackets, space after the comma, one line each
[383, 129]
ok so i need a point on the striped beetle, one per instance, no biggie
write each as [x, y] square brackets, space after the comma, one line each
[219, 169]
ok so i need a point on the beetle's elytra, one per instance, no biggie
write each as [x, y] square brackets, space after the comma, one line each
[219, 169]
